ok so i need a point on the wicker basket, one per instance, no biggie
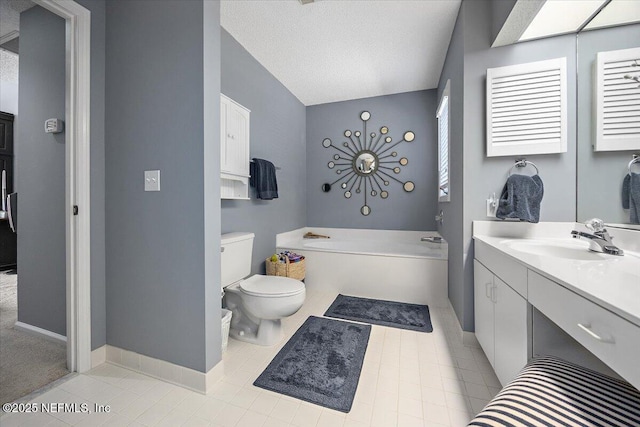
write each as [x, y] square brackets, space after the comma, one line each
[295, 270]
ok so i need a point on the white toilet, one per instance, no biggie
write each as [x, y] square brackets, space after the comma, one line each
[257, 302]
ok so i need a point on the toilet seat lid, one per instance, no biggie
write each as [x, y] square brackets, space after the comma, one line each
[259, 284]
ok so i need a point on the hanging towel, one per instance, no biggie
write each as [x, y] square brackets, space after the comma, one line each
[631, 196]
[520, 198]
[263, 179]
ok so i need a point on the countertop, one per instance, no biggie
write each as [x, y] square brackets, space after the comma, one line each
[612, 282]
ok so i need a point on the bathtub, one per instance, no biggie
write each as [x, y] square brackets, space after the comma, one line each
[382, 264]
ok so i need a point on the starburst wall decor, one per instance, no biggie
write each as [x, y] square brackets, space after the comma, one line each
[365, 164]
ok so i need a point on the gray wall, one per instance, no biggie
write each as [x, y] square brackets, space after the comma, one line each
[277, 134]
[482, 176]
[600, 174]
[451, 228]
[40, 170]
[158, 286]
[45, 85]
[401, 211]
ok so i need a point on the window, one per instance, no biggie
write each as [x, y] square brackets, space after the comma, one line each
[443, 146]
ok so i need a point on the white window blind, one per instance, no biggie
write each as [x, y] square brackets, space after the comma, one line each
[527, 108]
[617, 100]
[443, 147]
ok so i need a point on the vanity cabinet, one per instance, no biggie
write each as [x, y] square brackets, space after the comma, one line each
[234, 149]
[501, 323]
[612, 339]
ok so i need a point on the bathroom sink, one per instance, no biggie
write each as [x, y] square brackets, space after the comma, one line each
[560, 248]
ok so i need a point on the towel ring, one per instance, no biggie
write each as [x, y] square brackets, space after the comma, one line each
[636, 159]
[523, 163]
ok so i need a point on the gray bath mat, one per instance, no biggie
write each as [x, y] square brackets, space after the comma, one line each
[321, 363]
[386, 313]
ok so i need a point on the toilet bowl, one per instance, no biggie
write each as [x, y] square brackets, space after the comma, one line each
[259, 302]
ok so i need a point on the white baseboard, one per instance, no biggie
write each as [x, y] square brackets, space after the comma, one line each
[98, 356]
[468, 338]
[165, 371]
[43, 333]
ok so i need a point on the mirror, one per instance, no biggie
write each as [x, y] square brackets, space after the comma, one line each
[365, 163]
[601, 173]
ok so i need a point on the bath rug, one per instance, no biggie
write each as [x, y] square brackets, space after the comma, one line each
[320, 364]
[385, 313]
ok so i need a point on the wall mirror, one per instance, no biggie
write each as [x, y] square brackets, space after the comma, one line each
[367, 163]
[601, 173]
[605, 27]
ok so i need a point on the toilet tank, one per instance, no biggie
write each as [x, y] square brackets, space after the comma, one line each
[235, 259]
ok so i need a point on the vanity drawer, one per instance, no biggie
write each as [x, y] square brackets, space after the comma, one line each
[509, 270]
[611, 338]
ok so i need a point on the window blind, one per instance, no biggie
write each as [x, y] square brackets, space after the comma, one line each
[443, 149]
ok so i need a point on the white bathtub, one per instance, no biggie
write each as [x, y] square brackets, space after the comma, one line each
[383, 264]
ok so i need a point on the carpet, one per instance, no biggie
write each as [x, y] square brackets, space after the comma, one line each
[320, 364]
[385, 313]
[27, 362]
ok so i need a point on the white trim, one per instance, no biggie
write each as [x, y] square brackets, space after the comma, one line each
[9, 36]
[170, 372]
[77, 185]
[98, 356]
[43, 333]
[623, 137]
[445, 100]
[468, 339]
[526, 108]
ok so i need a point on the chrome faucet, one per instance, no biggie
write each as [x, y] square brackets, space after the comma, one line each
[600, 240]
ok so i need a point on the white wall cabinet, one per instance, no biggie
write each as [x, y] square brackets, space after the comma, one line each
[501, 323]
[234, 149]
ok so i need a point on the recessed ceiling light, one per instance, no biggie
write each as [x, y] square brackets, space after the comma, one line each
[618, 12]
[561, 17]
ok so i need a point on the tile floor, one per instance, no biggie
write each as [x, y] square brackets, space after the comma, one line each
[408, 379]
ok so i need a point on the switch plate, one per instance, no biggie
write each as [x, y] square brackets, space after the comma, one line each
[152, 180]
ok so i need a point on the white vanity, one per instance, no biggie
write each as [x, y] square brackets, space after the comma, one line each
[593, 297]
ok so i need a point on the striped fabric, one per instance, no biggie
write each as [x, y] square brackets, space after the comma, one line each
[552, 392]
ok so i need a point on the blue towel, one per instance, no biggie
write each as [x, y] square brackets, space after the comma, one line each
[631, 196]
[263, 179]
[520, 198]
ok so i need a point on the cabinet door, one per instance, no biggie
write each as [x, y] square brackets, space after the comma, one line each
[510, 332]
[224, 112]
[6, 134]
[484, 316]
[235, 153]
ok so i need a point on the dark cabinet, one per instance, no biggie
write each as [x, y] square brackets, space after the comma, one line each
[6, 134]
[8, 241]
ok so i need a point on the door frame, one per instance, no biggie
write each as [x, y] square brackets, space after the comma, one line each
[77, 179]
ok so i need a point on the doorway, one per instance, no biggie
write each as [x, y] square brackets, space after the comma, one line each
[64, 312]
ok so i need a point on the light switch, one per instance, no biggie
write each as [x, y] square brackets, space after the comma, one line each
[151, 180]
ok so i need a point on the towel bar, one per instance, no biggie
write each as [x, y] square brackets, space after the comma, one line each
[277, 167]
[521, 163]
[636, 159]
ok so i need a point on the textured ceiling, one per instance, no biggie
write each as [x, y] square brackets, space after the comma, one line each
[335, 50]
[10, 14]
